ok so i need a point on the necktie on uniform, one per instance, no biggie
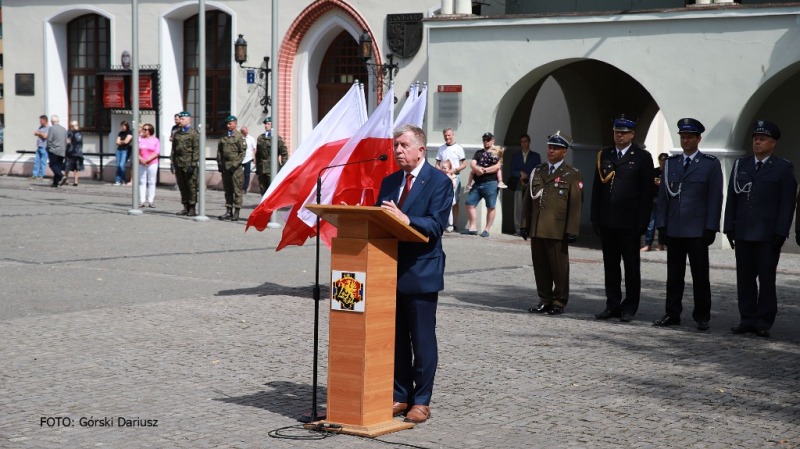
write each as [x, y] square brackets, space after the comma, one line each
[759, 164]
[552, 169]
[686, 162]
[406, 189]
[619, 154]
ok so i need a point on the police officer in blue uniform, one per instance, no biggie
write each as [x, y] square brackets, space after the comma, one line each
[688, 213]
[622, 198]
[758, 216]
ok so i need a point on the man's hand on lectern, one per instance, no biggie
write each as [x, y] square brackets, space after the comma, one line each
[394, 210]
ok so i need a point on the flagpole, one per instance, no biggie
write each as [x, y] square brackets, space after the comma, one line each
[273, 164]
[201, 118]
[135, 120]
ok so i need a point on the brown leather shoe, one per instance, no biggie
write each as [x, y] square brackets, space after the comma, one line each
[418, 414]
[399, 408]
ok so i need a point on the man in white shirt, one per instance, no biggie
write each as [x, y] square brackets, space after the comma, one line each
[453, 152]
[250, 141]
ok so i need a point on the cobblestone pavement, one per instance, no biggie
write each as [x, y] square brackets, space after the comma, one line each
[208, 330]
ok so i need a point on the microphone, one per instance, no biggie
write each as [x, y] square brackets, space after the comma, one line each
[382, 157]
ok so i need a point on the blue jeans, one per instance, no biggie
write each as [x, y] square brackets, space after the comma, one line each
[40, 164]
[122, 159]
[486, 190]
[651, 228]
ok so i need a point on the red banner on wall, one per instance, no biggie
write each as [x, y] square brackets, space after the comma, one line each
[114, 91]
[145, 92]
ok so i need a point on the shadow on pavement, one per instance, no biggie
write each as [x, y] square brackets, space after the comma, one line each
[272, 289]
[289, 399]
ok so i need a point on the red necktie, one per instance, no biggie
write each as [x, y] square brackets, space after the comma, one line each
[406, 189]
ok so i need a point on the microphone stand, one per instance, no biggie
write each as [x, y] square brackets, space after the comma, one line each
[314, 416]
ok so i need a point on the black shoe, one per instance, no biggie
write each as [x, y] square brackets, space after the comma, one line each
[555, 310]
[741, 329]
[762, 333]
[702, 325]
[626, 317]
[667, 321]
[606, 314]
[541, 308]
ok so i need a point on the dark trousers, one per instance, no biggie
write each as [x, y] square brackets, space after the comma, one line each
[551, 270]
[621, 244]
[758, 303]
[57, 166]
[415, 351]
[246, 185]
[187, 183]
[677, 250]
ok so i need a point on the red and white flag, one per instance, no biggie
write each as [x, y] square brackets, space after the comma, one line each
[357, 184]
[298, 177]
[413, 112]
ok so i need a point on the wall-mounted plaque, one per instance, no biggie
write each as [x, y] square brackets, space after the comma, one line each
[23, 83]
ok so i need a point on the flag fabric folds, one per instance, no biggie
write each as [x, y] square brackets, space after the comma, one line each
[298, 177]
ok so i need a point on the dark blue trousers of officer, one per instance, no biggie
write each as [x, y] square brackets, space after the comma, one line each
[697, 251]
[757, 260]
[415, 339]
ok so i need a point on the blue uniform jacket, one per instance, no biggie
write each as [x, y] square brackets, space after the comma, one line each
[768, 208]
[420, 266]
[699, 205]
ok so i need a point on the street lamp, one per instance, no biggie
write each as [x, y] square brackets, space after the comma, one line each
[389, 69]
[262, 81]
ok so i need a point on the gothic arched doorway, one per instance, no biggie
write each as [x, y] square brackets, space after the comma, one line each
[341, 66]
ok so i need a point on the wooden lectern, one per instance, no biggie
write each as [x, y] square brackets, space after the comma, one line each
[362, 317]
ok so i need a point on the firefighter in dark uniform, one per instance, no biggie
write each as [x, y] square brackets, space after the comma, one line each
[262, 156]
[184, 157]
[551, 216]
[621, 200]
[688, 213]
[758, 217]
[230, 154]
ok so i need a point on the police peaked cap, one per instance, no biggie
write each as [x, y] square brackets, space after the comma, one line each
[690, 125]
[767, 128]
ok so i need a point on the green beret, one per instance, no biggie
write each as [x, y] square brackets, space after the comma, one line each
[231, 118]
[184, 114]
[267, 119]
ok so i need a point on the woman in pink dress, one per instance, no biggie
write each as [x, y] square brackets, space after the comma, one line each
[149, 149]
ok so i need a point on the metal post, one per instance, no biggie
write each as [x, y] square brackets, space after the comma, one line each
[273, 151]
[201, 119]
[135, 120]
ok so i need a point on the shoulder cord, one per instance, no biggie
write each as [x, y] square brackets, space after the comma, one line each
[744, 189]
[530, 186]
[610, 176]
[666, 180]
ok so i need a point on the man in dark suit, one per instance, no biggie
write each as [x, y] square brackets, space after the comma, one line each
[758, 216]
[421, 197]
[522, 165]
[688, 213]
[621, 200]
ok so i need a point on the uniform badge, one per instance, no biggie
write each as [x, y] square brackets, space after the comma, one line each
[560, 192]
[580, 185]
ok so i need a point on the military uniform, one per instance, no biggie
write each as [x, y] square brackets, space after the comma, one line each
[184, 157]
[551, 210]
[230, 154]
[758, 217]
[690, 208]
[263, 151]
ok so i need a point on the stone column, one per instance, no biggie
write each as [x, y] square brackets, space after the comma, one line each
[447, 7]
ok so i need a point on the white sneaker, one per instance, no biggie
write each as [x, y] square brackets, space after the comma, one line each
[449, 229]
[502, 185]
[117, 183]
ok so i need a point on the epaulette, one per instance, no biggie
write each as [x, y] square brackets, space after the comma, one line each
[709, 156]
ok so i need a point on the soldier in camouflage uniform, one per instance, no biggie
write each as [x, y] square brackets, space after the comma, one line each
[184, 158]
[262, 156]
[551, 216]
[230, 154]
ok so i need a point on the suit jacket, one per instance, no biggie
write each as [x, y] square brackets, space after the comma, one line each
[767, 210]
[420, 266]
[518, 166]
[558, 210]
[699, 205]
[625, 201]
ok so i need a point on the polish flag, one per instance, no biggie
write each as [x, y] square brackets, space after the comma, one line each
[298, 177]
[405, 112]
[357, 184]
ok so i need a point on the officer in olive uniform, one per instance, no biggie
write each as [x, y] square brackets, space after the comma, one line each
[184, 157]
[230, 154]
[263, 151]
[688, 213]
[622, 197]
[758, 217]
[551, 216]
